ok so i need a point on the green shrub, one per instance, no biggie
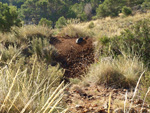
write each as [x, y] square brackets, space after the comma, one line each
[126, 11]
[8, 17]
[104, 40]
[61, 22]
[131, 42]
[146, 4]
[109, 8]
[45, 22]
[29, 40]
[83, 17]
[91, 25]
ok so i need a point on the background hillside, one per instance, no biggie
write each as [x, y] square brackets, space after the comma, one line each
[32, 11]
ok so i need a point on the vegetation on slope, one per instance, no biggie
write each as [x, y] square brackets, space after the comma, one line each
[27, 78]
[33, 11]
[28, 81]
[8, 17]
[121, 53]
[121, 59]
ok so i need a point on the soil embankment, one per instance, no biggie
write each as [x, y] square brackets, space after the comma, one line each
[74, 58]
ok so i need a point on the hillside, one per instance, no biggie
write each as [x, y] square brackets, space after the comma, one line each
[111, 26]
[45, 70]
[55, 12]
[86, 95]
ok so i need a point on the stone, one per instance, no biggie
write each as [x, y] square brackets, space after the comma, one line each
[79, 107]
[79, 40]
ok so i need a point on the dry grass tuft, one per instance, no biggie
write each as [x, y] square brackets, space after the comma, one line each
[74, 31]
[121, 72]
[34, 87]
[22, 36]
[31, 30]
[27, 82]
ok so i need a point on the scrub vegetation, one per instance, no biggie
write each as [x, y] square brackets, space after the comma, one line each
[32, 77]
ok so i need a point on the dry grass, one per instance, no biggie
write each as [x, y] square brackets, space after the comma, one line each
[22, 36]
[123, 72]
[35, 87]
[32, 88]
[29, 84]
[111, 26]
[74, 31]
[30, 30]
[31, 39]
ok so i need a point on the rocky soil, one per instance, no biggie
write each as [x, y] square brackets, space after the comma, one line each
[100, 99]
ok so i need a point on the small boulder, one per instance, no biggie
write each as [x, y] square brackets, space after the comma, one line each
[79, 40]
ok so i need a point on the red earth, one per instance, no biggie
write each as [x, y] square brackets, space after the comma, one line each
[74, 58]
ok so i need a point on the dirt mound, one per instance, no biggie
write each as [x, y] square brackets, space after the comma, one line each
[74, 58]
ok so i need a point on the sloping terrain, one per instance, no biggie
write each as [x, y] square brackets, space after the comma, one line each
[98, 99]
[75, 59]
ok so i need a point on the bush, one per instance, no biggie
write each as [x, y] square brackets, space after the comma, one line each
[104, 40]
[61, 22]
[130, 42]
[146, 4]
[45, 22]
[91, 25]
[109, 8]
[74, 31]
[8, 17]
[31, 40]
[119, 73]
[126, 11]
[83, 17]
[22, 36]
[29, 31]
